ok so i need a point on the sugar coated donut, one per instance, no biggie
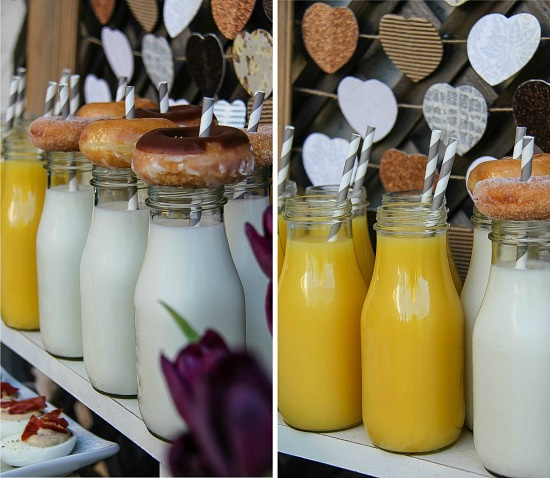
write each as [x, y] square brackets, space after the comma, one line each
[110, 143]
[56, 133]
[509, 198]
[262, 145]
[182, 115]
[179, 157]
[112, 109]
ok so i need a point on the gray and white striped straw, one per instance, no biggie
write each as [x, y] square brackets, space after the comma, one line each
[63, 95]
[521, 131]
[345, 181]
[284, 164]
[121, 88]
[21, 92]
[256, 111]
[163, 97]
[363, 164]
[74, 94]
[49, 102]
[130, 103]
[206, 117]
[65, 76]
[433, 156]
[527, 157]
[10, 111]
[446, 167]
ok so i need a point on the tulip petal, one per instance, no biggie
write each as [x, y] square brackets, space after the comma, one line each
[185, 458]
[261, 247]
[269, 306]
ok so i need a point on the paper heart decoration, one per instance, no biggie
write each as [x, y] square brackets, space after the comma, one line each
[324, 158]
[157, 58]
[499, 47]
[206, 62]
[253, 61]
[531, 106]
[400, 171]
[96, 90]
[146, 13]
[103, 10]
[456, 3]
[412, 44]
[118, 52]
[367, 103]
[268, 9]
[231, 15]
[177, 15]
[230, 114]
[459, 112]
[330, 35]
[475, 162]
[181, 101]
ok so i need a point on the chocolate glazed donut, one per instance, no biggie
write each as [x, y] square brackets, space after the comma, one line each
[182, 115]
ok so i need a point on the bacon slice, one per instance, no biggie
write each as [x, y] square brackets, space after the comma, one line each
[51, 420]
[35, 404]
[6, 389]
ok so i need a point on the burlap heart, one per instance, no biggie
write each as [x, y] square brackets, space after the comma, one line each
[146, 13]
[103, 10]
[400, 171]
[231, 15]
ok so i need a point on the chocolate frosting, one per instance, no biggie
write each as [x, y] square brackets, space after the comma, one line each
[177, 114]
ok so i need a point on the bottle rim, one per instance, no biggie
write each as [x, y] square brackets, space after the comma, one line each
[512, 233]
[411, 219]
[316, 208]
[180, 198]
[117, 178]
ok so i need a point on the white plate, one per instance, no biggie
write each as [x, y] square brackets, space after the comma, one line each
[89, 448]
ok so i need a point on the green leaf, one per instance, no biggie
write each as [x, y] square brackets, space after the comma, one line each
[184, 326]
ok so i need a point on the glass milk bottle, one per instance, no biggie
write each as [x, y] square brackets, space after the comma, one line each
[60, 241]
[471, 297]
[246, 202]
[109, 269]
[189, 267]
[22, 197]
[321, 292]
[412, 332]
[290, 190]
[511, 353]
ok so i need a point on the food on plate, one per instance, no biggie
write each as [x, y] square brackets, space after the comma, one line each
[14, 414]
[7, 390]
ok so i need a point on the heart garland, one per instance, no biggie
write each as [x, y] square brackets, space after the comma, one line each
[324, 158]
[118, 52]
[206, 62]
[103, 10]
[146, 13]
[230, 114]
[177, 15]
[531, 107]
[231, 16]
[181, 101]
[400, 171]
[157, 58]
[96, 90]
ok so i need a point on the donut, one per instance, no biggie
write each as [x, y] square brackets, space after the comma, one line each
[56, 133]
[262, 145]
[182, 115]
[112, 109]
[109, 143]
[179, 157]
[509, 198]
[507, 168]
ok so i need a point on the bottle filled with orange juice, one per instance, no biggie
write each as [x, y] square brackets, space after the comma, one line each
[290, 190]
[22, 197]
[321, 292]
[360, 227]
[412, 334]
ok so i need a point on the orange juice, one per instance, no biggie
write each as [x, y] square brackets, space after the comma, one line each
[281, 223]
[363, 247]
[280, 257]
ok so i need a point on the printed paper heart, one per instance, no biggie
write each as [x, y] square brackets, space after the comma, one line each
[206, 62]
[103, 10]
[459, 112]
[412, 44]
[177, 15]
[231, 15]
[268, 9]
[475, 162]
[367, 103]
[118, 52]
[400, 171]
[157, 58]
[230, 114]
[181, 101]
[499, 47]
[531, 106]
[96, 90]
[324, 158]
[253, 61]
[146, 13]
[330, 35]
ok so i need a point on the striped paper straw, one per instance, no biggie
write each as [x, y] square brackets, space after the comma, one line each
[433, 156]
[74, 94]
[65, 76]
[130, 103]
[518, 143]
[163, 97]
[256, 111]
[206, 117]
[51, 91]
[121, 88]
[63, 94]
[10, 111]
[345, 181]
[363, 164]
[21, 92]
[446, 167]
[527, 157]
[284, 163]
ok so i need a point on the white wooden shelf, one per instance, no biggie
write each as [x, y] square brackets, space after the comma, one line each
[352, 449]
[121, 413]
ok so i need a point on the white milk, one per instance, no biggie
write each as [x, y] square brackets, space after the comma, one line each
[60, 239]
[471, 297]
[110, 265]
[238, 211]
[511, 353]
[191, 270]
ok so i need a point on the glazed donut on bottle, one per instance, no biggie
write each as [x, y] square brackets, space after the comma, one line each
[110, 143]
[111, 109]
[57, 134]
[510, 198]
[182, 115]
[262, 145]
[179, 157]
[507, 168]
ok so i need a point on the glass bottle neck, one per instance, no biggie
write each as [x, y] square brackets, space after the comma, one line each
[67, 169]
[118, 189]
[479, 221]
[411, 219]
[15, 147]
[256, 184]
[358, 198]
